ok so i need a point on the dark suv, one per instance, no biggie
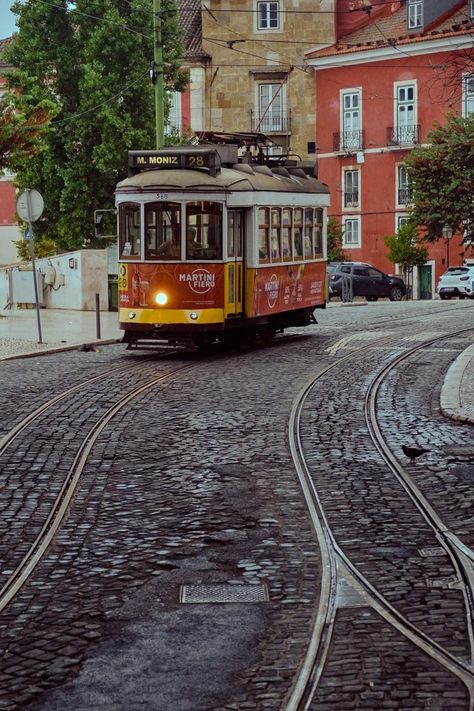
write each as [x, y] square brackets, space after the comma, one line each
[349, 279]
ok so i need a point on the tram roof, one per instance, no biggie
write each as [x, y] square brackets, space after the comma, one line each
[241, 178]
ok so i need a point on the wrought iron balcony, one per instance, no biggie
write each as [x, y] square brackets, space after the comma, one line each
[275, 122]
[403, 135]
[405, 196]
[348, 141]
[351, 199]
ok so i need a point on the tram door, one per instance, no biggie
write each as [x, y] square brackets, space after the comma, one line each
[235, 271]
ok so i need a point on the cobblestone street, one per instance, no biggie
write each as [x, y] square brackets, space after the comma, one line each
[188, 572]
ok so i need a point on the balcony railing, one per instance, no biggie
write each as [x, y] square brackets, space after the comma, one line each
[402, 135]
[351, 199]
[348, 141]
[272, 122]
[405, 196]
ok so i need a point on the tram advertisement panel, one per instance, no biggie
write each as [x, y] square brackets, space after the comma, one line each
[185, 285]
[283, 288]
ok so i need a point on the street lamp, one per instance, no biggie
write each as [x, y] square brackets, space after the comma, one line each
[447, 234]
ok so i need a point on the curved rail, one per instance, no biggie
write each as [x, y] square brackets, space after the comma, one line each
[59, 509]
[335, 563]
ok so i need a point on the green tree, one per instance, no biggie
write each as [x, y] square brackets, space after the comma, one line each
[91, 59]
[44, 247]
[407, 250]
[442, 180]
[335, 233]
[21, 136]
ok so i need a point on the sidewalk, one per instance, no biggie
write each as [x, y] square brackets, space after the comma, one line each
[457, 394]
[60, 329]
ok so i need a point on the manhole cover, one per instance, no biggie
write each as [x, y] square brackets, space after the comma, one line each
[433, 552]
[223, 592]
[450, 582]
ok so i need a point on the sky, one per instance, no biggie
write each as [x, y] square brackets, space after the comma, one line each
[7, 19]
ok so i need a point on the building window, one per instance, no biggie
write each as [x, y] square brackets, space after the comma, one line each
[270, 108]
[402, 220]
[471, 9]
[415, 13]
[268, 16]
[351, 188]
[351, 232]
[404, 193]
[406, 129]
[351, 120]
[173, 125]
[468, 95]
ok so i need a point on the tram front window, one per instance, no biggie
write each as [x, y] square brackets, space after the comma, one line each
[162, 230]
[129, 231]
[203, 230]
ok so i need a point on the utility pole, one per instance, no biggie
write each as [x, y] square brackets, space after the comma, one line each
[159, 84]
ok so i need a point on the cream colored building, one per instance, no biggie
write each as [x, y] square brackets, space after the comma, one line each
[256, 78]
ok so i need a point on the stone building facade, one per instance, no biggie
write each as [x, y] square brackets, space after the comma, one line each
[256, 76]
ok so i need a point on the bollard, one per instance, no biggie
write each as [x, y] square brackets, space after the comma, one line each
[347, 293]
[97, 315]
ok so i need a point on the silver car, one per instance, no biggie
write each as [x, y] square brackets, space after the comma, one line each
[457, 281]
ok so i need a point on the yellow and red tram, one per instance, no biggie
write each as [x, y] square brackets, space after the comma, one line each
[214, 249]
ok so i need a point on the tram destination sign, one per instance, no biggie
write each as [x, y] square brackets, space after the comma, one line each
[191, 158]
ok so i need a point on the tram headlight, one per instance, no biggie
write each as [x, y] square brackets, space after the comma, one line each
[132, 314]
[193, 315]
[161, 298]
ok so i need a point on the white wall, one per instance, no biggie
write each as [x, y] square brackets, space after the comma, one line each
[71, 280]
[8, 235]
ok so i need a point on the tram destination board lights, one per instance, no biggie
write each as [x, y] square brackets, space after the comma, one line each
[191, 158]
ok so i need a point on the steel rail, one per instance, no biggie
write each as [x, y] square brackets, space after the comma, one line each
[59, 508]
[335, 561]
[7, 439]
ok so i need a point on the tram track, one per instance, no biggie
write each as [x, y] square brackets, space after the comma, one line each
[59, 506]
[337, 566]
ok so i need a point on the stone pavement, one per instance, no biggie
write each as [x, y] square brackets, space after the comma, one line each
[61, 329]
[66, 329]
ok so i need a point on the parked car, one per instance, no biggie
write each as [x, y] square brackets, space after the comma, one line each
[457, 281]
[349, 279]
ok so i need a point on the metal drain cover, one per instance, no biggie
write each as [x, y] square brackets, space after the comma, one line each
[223, 592]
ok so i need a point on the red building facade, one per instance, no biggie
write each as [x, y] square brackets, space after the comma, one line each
[379, 91]
[8, 228]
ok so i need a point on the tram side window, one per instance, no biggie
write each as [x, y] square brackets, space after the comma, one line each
[234, 233]
[129, 231]
[162, 230]
[308, 233]
[203, 230]
[286, 234]
[318, 233]
[298, 233]
[263, 234]
[275, 234]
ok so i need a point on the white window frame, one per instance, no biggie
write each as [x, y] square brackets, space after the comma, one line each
[467, 96]
[274, 119]
[352, 221]
[266, 25]
[354, 144]
[402, 184]
[351, 204]
[471, 9]
[414, 14]
[397, 103]
[175, 119]
[401, 220]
